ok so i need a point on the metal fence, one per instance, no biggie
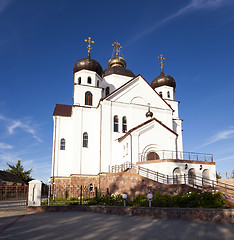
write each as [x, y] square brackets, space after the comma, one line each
[13, 197]
[178, 155]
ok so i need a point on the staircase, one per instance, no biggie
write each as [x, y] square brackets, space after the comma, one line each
[193, 181]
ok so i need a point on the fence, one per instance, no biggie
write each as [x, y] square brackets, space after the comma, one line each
[178, 155]
[13, 197]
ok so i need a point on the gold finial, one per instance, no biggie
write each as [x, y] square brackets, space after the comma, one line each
[161, 58]
[117, 47]
[89, 45]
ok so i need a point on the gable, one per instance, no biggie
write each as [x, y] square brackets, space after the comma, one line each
[152, 123]
[137, 91]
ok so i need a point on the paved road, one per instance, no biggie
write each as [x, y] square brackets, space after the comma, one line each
[85, 225]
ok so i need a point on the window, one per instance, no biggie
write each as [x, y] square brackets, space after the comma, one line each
[62, 144]
[97, 83]
[116, 123]
[160, 94]
[89, 80]
[124, 122]
[79, 80]
[85, 139]
[126, 148]
[107, 90]
[152, 156]
[88, 98]
[168, 94]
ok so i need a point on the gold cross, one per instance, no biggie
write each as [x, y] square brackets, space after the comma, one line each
[117, 47]
[89, 45]
[161, 58]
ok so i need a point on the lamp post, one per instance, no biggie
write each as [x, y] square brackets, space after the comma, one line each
[149, 196]
[124, 196]
[49, 181]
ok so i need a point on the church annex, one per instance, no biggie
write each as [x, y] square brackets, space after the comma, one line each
[118, 119]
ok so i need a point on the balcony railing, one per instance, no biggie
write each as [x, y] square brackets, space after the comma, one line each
[178, 155]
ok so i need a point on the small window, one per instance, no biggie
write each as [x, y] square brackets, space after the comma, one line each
[160, 94]
[91, 188]
[124, 122]
[97, 83]
[168, 94]
[126, 148]
[107, 90]
[89, 80]
[123, 150]
[79, 80]
[62, 144]
[116, 123]
[88, 98]
[85, 139]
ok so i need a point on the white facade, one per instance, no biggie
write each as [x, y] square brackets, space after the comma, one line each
[88, 140]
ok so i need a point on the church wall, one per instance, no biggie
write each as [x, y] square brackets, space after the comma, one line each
[90, 156]
[63, 158]
[114, 81]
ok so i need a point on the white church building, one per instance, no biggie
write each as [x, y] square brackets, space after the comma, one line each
[119, 119]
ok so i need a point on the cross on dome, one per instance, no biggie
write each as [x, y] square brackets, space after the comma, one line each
[161, 63]
[117, 47]
[89, 45]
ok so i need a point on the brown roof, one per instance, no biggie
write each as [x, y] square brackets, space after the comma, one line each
[9, 177]
[144, 123]
[62, 110]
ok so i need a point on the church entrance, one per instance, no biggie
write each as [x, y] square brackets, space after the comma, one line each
[191, 176]
[152, 156]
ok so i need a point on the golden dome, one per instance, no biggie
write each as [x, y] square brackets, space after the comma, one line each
[117, 61]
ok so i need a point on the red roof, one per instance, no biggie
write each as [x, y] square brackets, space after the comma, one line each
[62, 110]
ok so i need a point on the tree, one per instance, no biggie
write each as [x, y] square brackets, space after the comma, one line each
[18, 170]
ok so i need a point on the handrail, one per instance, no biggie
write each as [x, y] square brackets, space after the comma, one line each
[191, 180]
[180, 155]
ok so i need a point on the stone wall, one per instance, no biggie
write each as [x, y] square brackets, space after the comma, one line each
[123, 182]
[192, 214]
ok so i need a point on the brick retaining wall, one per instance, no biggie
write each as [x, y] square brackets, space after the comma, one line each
[192, 214]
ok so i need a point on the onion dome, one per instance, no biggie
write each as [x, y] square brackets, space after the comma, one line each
[149, 113]
[117, 65]
[163, 80]
[88, 64]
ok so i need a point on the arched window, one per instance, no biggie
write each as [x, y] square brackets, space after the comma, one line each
[89, 80]
[177, 176]
[168, 94]
[88, 98]
[97, 83]
[107, 90]
[152, 156]
[79, 80]
[205, 177]
[191, 176]
[116, 123]
[160, 94]
[85, 139]
[124, 124]
[62, 144]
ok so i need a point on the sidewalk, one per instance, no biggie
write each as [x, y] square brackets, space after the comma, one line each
[86, 225]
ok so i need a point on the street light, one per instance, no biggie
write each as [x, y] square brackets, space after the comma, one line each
[124, 196]
[149, 196]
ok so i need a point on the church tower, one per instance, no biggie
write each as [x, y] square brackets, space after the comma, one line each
[87, 80]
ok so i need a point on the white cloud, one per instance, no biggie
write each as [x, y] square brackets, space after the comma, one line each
[194, 5]
[225, 134]
[25, 125]
[225, 159]
[5, 146]
[4, 4]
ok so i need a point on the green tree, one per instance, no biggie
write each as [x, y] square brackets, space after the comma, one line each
[18, 170]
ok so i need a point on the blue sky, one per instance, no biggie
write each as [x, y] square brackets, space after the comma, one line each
[41, 40]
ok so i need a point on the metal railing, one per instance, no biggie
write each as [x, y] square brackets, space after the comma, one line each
[179, 155]
[187, 179]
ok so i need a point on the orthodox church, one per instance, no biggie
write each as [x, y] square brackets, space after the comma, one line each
[119, 118]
